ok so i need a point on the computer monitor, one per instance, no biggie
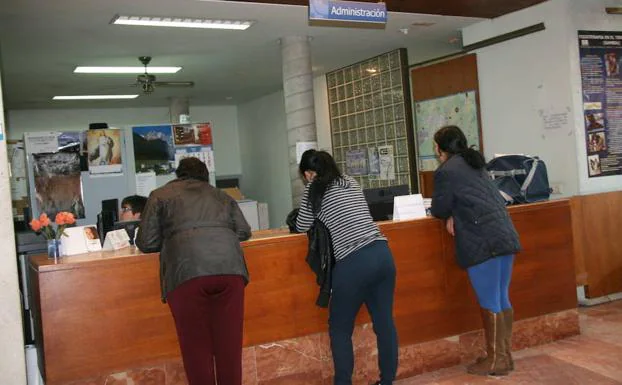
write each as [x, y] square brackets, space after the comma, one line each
[129, 226]
[111, 205]
[380, 200]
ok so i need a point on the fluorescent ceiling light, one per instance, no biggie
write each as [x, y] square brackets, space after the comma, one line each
[94, 97]
[184, 22]
[125, 70]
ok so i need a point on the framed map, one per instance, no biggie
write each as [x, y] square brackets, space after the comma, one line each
[431, 115]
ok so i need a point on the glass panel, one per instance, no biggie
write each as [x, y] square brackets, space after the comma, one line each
[333, 94]
[390, 131]
[360, 120]
[380, 134]
[394, 59]
[350, 104]
[351, 122]
[398, 95]
[334, 110]
[402, 147]
[352, 137]
[366, 85]
[339, 77]
[362, 137]
[356, 72]
[347, 75]
[384, 62]
[375, 83]
[400, 130]
[388, 114]
[343, 109]
[385, 79]
[358, 88]
[335, 125]
[343, 123]
[371, 134]
[396, 78]
[387, 97]
[367, 102]
[377, 99]
[378, 118]
[341, 93]
[358, 104]
[399, 112]
[369, 118]
[349, 91]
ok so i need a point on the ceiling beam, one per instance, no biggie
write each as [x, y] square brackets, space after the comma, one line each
[468, 8]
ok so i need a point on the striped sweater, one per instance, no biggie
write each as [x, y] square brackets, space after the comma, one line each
[345, 213]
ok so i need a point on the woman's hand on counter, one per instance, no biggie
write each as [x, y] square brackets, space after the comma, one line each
[449, 224]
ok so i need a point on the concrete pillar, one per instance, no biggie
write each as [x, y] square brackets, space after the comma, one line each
[178, 106]
[12, 354]
[299, 103]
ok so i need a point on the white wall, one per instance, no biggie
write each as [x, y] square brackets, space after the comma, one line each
[523, 78]
[12, 359]
[537, 72]
[264, 155]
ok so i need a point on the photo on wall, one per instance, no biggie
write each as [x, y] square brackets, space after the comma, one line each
[154, 149]
[58, 184]
[192, 134]
[104, 151]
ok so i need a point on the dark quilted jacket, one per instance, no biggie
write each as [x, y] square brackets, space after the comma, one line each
[483, 228]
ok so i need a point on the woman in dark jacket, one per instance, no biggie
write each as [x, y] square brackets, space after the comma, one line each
[197, 229]
[485, 239]
[364, 271]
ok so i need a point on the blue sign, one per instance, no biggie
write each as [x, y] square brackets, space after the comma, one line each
[347, 11]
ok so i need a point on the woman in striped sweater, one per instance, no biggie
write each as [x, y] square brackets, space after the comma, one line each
[364, 271]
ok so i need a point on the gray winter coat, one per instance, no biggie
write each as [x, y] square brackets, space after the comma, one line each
[196, 228]
[482, 225]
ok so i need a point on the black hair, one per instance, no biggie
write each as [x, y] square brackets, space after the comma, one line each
[451, 140]
[136, 202]
[326, 172]
[192, 168]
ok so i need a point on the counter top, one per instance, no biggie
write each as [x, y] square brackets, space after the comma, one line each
[43, 264]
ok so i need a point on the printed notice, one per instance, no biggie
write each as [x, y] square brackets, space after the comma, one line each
[145, 183]
[387, 162]
[301, 147]
[42, 142]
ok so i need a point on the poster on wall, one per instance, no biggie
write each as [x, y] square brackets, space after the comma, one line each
[374, 161]
[387, 162]
[58, 185]
[356, 162]
[198, 134]
[204, 154]
[153, 149]
[431, 115]
[600, 54]
[104, 151]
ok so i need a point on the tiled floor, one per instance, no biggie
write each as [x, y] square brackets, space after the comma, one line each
[594, 357]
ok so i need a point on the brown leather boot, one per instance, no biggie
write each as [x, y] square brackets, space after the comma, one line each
[508, 320]
[496, 362]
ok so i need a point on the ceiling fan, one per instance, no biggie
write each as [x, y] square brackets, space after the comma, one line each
[148, 81]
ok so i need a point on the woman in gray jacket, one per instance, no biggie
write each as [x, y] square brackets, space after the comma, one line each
[485, 239]
[197, 229]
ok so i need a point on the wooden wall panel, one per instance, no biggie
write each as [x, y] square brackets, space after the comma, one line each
[101, 313]
[443, 79]
[597, 225]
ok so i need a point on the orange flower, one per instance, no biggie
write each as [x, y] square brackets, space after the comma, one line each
[65, 218]
[70, 218]
[45, 221]
[35, 225]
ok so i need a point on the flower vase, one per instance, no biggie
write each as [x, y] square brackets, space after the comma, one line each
[54, 248]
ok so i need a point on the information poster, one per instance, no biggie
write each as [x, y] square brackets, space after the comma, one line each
[600, 54]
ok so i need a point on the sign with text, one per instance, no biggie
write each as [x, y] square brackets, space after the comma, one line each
[347, 14]
[600, 54]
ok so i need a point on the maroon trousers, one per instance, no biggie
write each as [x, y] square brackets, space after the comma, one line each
[209, 316]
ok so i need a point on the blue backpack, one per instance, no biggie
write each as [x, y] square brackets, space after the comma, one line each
[520, 179]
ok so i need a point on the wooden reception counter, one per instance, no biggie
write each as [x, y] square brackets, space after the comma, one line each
[100, 313]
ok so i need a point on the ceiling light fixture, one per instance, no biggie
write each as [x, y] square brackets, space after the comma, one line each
[183, 22]
[94, 97]
[371, 70]
[125, 70]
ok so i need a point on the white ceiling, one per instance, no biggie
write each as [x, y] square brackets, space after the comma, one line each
[41, 41]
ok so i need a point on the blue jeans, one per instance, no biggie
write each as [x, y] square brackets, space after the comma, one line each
[367, 276]
[491, 282]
